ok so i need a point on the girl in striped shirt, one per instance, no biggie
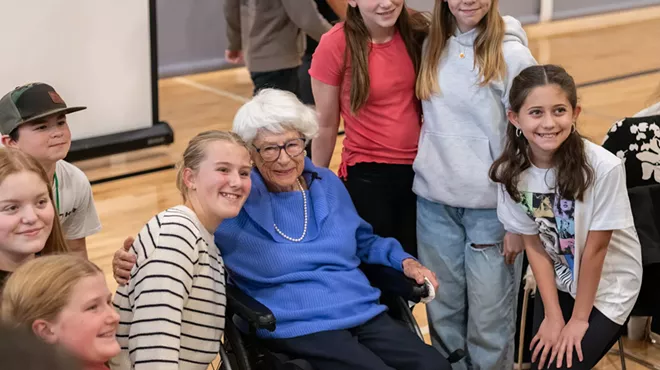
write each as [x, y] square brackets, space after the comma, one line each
[172, 311]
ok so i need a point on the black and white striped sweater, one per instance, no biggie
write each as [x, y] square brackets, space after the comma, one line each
[172, 311]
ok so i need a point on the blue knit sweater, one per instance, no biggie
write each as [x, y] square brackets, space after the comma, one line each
[314, 285]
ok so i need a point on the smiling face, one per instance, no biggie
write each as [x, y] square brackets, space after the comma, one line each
[87, 325]
[378, 14]
[546, 120]
[282, 173]
[48, 140]
[26, 215]
[468, 13]
[221, 183]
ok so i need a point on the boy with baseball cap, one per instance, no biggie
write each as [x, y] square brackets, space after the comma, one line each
[33, 120]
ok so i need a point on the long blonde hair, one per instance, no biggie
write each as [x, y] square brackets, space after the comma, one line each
[196, 152]
[14, 161]
[41, 288]
[489, 57]
[413, 28]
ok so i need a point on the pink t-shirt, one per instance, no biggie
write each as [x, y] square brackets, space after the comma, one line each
[386, 129]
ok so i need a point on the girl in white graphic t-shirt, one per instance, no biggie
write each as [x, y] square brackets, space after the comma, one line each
[568, 198]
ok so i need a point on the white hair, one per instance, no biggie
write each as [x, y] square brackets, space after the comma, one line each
[275, 111]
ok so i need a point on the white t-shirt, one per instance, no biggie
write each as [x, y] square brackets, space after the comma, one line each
[76, 208]
[563, 225]
[649, 111]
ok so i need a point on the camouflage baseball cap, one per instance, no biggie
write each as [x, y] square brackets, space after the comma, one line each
[28, 103]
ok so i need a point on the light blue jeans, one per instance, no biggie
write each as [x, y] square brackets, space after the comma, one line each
[475, 306]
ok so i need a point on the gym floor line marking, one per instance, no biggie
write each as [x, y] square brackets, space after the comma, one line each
[213, 90]
[132, 174]
[594, 113]
[242, 99]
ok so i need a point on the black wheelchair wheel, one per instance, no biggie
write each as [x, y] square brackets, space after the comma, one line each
[237, 352]
[408, 318]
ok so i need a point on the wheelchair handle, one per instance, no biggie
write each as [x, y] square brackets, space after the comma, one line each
[421, 291]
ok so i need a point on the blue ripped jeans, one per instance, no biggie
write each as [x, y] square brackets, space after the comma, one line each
[475, 308]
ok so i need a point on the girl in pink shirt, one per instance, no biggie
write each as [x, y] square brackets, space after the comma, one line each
[364, 70]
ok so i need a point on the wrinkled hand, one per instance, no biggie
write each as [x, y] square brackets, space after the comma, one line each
[414, 270]
[234, 56]
[513, 245]
[123, 262]
[570, 337]
[546, 339]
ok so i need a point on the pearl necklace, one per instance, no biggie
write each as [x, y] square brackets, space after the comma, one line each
[305, 222]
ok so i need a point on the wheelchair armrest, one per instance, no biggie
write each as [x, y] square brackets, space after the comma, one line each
[249, 309]
[394, 282]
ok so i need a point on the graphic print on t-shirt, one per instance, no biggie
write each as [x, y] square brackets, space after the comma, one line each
[555, 218]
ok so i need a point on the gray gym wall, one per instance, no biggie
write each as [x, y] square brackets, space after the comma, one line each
[575, 8]
[191, 34]
[527, 11]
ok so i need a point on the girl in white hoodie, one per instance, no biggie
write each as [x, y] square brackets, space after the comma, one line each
[470, 58]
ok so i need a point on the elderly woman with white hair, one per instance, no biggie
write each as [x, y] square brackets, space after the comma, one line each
[296, 247]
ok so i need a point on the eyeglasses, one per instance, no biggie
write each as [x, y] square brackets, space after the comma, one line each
[271, 153]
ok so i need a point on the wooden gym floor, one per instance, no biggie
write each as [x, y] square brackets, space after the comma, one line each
[616, 63]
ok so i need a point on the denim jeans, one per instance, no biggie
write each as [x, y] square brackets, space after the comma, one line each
[475, 308]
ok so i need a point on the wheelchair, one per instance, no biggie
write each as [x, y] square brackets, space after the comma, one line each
[242, 351]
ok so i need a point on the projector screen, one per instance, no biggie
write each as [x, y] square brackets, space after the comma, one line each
[95, 53]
